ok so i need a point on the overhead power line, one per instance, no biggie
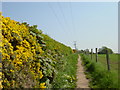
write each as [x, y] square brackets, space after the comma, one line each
[55, 15]
[72, 20]
[65, 21]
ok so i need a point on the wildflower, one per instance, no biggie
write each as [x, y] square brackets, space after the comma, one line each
[11, 70]
[42, 85]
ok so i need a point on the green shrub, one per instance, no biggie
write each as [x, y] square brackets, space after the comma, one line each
[29, 57]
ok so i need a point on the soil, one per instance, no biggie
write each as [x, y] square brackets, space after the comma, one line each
[82, 81]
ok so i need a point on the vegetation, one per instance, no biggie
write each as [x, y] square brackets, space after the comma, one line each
[66, 76]
[98, 75]
[31, 59]
[103, 50]
[28, 56]
[113, 61]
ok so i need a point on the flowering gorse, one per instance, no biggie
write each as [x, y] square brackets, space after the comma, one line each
[29, 57]
[20, 66]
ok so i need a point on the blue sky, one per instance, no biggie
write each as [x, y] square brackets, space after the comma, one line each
[90, 24]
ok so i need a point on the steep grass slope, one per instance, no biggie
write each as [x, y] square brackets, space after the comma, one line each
[29, 57]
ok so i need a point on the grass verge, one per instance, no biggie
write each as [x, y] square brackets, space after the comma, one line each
[113, 60]
[66, 76]
[98, 75]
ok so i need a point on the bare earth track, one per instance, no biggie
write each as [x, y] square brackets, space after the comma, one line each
[82, 82]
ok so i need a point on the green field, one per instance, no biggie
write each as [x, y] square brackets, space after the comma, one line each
[97, 71]
[113, 61]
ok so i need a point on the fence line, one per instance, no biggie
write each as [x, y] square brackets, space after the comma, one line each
[91, 54]
[108, 61]
[96, 55]
[107, 57]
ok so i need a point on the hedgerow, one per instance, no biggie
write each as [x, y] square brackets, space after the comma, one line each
[29, 57]
[20, 51]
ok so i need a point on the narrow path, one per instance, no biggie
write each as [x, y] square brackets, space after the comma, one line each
[82, 82]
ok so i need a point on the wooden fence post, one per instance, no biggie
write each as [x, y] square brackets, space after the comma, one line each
[108, 61]
[96, 55]
[91, 53]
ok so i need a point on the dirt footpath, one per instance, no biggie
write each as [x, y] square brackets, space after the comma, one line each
[82, 82]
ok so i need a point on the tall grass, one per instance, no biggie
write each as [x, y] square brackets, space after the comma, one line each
[113, 60]
[66, 76]
[98, 75]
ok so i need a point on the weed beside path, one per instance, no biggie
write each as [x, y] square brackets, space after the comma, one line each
[66, 76]
[100, 77]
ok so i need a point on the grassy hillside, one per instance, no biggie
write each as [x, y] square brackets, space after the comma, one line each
[29, 57]
[66, 76]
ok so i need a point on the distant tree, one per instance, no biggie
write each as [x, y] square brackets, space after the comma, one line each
[103, 50]
[80, 51]
[87, 51]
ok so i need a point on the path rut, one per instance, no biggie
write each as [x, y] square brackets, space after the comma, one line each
[82, 82]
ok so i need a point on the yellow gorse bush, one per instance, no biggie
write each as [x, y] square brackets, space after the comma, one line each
[29, 57]
[0, 50]
[20, 66]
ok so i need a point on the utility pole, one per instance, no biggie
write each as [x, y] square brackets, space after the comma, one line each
[75, 45]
